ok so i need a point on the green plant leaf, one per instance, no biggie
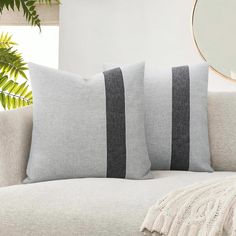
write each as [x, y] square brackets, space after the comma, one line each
[14, 87]
[14, 105]
[8, 102]
[30, 3]
[3, 80]
[7, 85]
[49, 2]
[11, 62]
[6, 40]
[24, 91]
[12, 94]
[25, 103]
[29, 95]
[17, 4]
[3, 100]
[20, 88]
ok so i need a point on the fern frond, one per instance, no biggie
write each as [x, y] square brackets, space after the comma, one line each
[11, 63]
[6, 40]
[14, 95]
[49, 2]
[30, 12]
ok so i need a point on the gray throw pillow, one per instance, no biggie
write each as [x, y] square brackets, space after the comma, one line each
[176, 117]
[88, 127]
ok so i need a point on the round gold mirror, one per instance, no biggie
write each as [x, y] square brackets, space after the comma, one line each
[214, 30]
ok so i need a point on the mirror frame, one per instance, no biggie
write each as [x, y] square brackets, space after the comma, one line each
[199, 50]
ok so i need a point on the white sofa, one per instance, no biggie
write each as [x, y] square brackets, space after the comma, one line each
[81, 207]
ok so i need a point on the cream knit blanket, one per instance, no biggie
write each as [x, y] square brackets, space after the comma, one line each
[204, 209]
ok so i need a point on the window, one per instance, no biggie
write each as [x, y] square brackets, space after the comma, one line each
[35, 46]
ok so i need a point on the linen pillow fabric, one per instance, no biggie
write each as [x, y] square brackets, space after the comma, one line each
[176, 117]
[88, 127]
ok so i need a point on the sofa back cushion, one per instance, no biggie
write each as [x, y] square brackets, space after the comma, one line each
[15, 139]
[222, 130]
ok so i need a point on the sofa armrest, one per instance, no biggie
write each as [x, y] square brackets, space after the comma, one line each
[15, 140]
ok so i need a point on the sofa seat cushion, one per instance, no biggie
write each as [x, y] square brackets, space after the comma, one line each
[81, 207]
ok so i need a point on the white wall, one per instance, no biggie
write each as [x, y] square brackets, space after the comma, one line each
[124, 31]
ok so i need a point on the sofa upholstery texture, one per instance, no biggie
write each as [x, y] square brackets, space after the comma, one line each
[15, 140]
[85, 207]
[222, 130]
[96, 206]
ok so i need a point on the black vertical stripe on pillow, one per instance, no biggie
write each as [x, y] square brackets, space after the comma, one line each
[180, 118]
[115, 118]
